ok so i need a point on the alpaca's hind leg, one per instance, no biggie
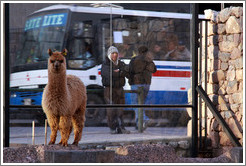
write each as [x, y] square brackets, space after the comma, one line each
[54, 124]
[65, 127]
[78, 124]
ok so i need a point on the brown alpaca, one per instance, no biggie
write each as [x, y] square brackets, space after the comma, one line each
[64, 100]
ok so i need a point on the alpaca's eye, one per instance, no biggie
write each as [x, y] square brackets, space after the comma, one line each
[61, 61]
[52, 61]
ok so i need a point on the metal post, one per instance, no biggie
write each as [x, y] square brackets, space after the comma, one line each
[33, 132]
[45, 132]
[200, 82]
[140, 110]
[222, 6]
[205, 79]
[6, 76]
[194, 49]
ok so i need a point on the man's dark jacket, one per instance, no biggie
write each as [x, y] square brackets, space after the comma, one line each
[118, 78]
[140, 69]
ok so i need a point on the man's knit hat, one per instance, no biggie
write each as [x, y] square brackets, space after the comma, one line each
[111, 50]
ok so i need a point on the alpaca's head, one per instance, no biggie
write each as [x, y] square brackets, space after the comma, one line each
[57, 61]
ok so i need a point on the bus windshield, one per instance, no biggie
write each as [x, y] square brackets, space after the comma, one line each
[41, 33]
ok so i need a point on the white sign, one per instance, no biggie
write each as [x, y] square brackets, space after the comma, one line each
[118, 37]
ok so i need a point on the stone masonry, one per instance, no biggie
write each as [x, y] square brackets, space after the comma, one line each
[225, 73]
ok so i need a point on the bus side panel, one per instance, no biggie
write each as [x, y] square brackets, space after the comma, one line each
[161, 97]
[18, 98]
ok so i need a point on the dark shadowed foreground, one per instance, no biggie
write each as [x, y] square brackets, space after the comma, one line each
[138, 153]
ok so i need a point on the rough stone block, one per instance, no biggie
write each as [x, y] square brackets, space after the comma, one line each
[223, 56]
[231, 74]
[234, 63]
[239, 74]
[210, 114]
[235, 127]
[214, 99]
[240, 46]
[227, 46]
[212, 29]
[224, 66]
[212, 88]
[234, 107]
[232, 87]
[220, 38]
[214, 135]
[224, 140]
[238, 117]
[221, 91]
[241, 23]
[184, 144]
[235, 154]
[236, 53]
[214, 125]
[230, 38]
[213, 40]
[221, 100]
[237, 39]
[233, 25]
[224, 107]
[224, 15]
[78, 156]
[213, 52]
[237, 97]
[189, 128]
[237, 11]
[221, 29]
[240, 88]
[230, 99]
[215, 64]
[217, 76]
[211, 14]
[239, 63]
[173, 144]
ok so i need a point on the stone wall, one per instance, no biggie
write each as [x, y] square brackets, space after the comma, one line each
[225, 72]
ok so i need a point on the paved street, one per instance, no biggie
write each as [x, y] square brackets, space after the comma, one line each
[99, 135]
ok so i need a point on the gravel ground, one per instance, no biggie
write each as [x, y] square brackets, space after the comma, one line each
[139, 153]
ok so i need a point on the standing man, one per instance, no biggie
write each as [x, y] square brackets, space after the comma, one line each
[141, 68]
[113, 74]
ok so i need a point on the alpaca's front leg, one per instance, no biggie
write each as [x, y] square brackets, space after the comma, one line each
[65, 127]
[54, 124]
[78, 121]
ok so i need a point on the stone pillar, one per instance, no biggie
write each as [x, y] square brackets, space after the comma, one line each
[225, 72]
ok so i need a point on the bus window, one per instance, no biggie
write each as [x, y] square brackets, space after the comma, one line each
[41, 33]
[81, 55]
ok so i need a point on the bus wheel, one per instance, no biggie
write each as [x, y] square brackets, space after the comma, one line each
[95, 116]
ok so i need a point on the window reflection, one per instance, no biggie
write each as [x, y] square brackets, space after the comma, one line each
[36, 42]
[167, 39]
[80, 47]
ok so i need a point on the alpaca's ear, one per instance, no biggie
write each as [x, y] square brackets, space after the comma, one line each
[64, 52]
[50, 52]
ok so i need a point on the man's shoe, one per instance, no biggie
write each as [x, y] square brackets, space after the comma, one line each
[113, 131]
[124, 131]
[146, 124]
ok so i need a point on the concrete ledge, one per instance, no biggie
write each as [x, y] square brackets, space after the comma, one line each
[79, 156]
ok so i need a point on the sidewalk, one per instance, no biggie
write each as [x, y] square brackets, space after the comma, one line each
[100, 135]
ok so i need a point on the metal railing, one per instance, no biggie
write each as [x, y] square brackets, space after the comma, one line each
[140, 105]
[218, 117]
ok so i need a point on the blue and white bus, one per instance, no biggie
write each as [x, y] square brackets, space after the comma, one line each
[81, 29]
